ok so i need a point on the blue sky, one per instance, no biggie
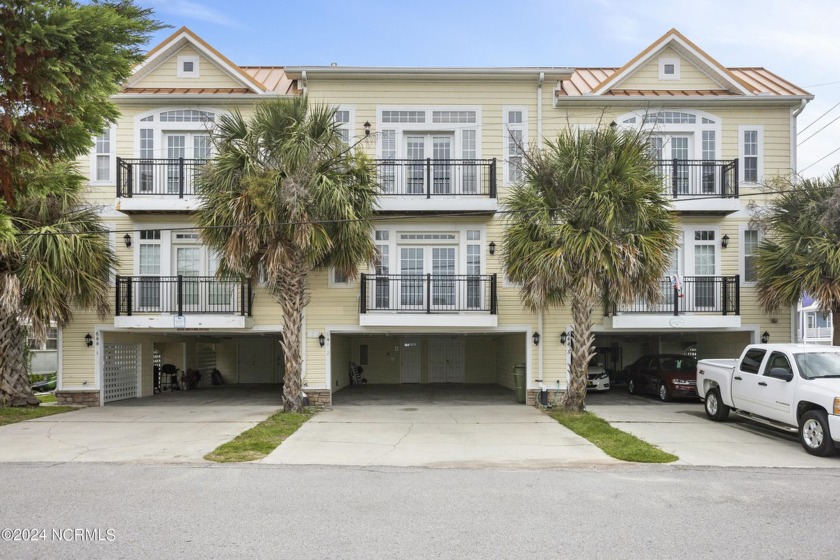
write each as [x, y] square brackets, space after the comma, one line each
[797, 40]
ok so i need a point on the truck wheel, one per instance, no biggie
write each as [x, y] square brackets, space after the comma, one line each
[664, 395]
[715, 409]
[814, 434]
[631, 386]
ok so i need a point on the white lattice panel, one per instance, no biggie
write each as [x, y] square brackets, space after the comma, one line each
[206, 359]
[119, 371]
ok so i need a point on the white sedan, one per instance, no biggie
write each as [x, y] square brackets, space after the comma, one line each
[597, 379]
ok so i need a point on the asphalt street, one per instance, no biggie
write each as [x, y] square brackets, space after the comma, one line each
[97, 510]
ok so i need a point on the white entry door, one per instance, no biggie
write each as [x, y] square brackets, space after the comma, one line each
[703, 264]
[410, 360]
[668, 148]
[187, 145]
[446, 360]
[437, 147]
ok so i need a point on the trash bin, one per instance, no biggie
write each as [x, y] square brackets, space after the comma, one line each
[519, 382]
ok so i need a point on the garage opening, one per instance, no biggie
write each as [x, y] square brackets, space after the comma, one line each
[428, 366]
[173, 363]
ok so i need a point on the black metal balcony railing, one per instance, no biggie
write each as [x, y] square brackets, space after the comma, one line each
[182, 295]
[157, 177]
[693, 294]
[437, 177]
[429, 293]
[696, 177]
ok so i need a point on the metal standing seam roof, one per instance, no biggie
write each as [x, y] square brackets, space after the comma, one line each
[274, 78]
[759, 80]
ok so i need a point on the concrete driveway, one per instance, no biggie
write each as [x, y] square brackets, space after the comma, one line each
[683, 429]
[435, 426]
[174, 427]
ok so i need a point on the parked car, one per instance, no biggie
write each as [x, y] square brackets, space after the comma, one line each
[664, 375]
[791, 387]
[597, 378]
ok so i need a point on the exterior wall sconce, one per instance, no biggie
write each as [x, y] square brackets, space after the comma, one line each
[88, 340]
[724, 241]
[536, 338]
[492, 247]
[127, 239]
[613, 124]
[367, 128]
[765, 337]
[322, 339]
[563, 337]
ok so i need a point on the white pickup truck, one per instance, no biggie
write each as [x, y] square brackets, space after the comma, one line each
[789, 386]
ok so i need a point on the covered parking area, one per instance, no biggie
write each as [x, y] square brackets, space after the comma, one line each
[426, 367]
[128, 362]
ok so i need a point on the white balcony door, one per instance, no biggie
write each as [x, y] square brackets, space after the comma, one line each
[702, 260]
[188, 264]
[415, 264]
[187, 145]
[668, 147]
[438, 147]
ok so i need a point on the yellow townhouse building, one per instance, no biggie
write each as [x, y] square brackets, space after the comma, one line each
[436, 307]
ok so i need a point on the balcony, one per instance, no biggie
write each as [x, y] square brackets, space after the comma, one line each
[699, 302]
[459, 300]
[156, 185]
[701, 186]
[434, 185]
[182, 302]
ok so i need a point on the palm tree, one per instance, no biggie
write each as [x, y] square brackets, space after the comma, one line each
[800, 252]
[56, 257]
[590, 224]
[286, 195]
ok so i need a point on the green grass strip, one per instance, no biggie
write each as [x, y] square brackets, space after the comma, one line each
[11, 415]
[260, 440]
[612, 441]
[47, 398]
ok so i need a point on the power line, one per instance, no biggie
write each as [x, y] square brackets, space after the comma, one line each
[818, 118]
[825, 84]
[819, 160]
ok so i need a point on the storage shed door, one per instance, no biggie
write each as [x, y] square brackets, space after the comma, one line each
[119, 371]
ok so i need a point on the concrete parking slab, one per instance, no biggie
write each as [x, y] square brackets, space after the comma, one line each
[683, 429]
[435, 426]
[175, 427]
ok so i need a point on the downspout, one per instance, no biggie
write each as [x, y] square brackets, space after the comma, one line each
[538, 147]
[793, 133]
[303, 80]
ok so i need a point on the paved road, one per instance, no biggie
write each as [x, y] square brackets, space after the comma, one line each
[261, 511]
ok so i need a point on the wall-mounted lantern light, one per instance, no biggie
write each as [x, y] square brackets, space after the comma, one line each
[127, 239]
[563, 337]
[322, 339]
[536, 338]
[724, 241]
[367, 128]
[492, 247]
[88, 340]
[765, 337]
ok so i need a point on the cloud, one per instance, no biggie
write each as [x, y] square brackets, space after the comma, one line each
[194, 10]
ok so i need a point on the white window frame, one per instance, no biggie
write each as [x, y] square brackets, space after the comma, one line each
[665, 61]
[506, 140]
[159, 128]
[759, 129]
[188, 58]
[112, 159]
[742, 264]
[350, 125]
[429, 127]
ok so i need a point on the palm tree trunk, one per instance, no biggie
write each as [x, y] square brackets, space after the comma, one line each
[835, 328]
[15, 389]
[292, 297]
[583, 304]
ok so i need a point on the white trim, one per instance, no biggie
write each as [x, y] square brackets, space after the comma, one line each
[159, 149]
[112, 160]
[689, 243]
[350, 125]
[742, 269]
[741, 163]
[675, 62]
[429, 127]
[188, 58]
[59, 374]
[507, 127]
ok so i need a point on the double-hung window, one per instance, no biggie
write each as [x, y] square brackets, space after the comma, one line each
[515, 140]
[103, 157]
[343, 124]
[751, 140]
[751, 239]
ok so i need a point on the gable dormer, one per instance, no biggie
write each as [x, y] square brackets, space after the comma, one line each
[672, 63]
[184, 61]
